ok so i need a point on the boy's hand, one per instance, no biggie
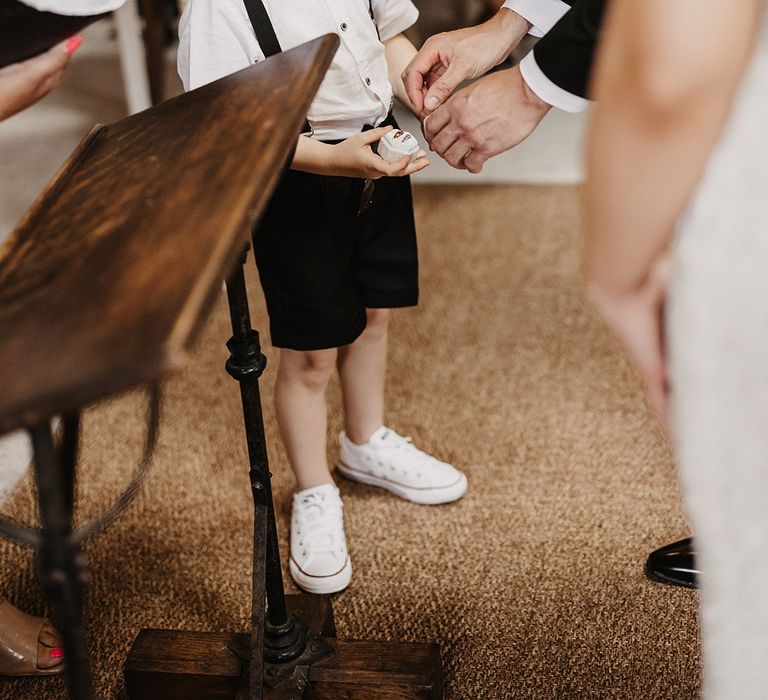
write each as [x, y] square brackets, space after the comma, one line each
[354, 157]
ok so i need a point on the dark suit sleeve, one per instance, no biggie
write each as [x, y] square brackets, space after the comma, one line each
[565, 53]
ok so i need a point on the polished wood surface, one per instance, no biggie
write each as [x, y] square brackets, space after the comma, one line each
[365, 664]
[177, 665]
[105, 282]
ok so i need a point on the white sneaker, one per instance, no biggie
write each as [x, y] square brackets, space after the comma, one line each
[392, 462]
[319, 559]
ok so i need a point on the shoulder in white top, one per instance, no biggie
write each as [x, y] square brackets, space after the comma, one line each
[74, 7]
[216, 38]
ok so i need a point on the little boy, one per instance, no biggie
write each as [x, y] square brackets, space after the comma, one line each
[336, 249]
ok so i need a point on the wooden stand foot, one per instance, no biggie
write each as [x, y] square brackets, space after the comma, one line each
[176, 665]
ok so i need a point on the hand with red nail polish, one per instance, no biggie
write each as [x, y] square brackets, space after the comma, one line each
[22, 84]
[73, 44]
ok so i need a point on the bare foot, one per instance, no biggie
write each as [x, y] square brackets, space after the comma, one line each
[50, 653]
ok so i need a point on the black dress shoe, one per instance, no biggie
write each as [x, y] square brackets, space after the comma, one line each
[674, 564]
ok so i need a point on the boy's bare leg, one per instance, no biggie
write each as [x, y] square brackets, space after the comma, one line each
[362, 369]
[302, 413]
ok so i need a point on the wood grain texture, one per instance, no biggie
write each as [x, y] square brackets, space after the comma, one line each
[106, 280]
[177, 665]
[171, 665]
[406, 667]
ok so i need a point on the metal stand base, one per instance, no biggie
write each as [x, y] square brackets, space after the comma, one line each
[171, 665]
[291, 651]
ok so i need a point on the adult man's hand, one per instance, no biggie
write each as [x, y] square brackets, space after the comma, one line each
[446, 60]
[484, 119]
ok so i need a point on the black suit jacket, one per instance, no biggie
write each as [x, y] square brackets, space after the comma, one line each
[565, 53]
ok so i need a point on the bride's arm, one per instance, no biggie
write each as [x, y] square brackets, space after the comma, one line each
[665, 78]
[664, 81]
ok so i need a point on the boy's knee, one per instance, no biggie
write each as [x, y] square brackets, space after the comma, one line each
[313, 368]
[377, 324]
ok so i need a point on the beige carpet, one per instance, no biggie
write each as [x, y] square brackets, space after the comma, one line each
[533, 582]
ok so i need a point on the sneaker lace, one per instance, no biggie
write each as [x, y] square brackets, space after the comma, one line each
[404, 443]
[320, 522]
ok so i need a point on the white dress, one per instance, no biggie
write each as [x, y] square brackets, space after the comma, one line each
[718, 340]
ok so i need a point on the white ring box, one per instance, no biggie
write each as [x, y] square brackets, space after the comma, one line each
[396, 144]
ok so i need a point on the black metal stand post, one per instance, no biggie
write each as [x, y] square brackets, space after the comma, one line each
[291, 652]
[278, 638]
[61, 562]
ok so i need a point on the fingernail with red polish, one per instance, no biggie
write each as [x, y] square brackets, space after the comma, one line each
[73, 44]
[57, 652]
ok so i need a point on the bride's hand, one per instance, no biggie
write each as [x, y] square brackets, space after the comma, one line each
[23, 84]
[638, 319]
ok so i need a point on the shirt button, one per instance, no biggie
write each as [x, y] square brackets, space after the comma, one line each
[343, 26]
[367, 81]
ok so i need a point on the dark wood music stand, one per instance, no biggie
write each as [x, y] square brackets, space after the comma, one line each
[103, 287]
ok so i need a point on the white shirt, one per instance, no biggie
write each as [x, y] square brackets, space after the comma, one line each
[543, 15]
[216, 38]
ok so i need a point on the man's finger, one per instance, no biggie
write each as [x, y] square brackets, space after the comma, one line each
[433, 123]
[442, 88]
[474, 161]
[456, 154]
[434, 76]
[443, 140]
[415, 73]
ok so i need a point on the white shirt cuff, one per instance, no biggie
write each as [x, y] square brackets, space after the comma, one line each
[542, 14]
[545, 89]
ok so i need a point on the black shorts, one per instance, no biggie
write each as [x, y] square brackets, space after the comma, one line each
[321, 264]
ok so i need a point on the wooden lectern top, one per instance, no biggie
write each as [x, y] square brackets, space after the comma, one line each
[106, 280]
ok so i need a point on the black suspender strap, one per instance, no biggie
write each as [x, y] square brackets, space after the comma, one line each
[373, 19]
[265, 32]
[262, 27]
[265, 35]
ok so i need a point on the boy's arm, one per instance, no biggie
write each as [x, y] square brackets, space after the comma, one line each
[312, 156]
[352, 157]
[399, 52]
